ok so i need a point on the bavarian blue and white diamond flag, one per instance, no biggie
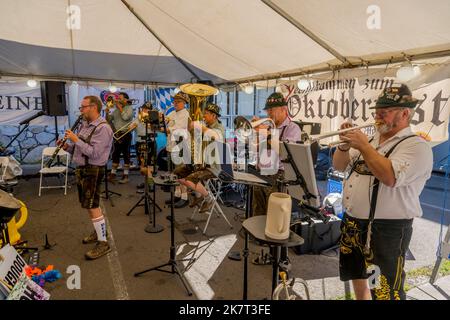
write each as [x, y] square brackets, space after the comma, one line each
[164, 99]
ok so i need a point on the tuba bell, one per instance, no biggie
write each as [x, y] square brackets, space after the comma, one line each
[198, 94]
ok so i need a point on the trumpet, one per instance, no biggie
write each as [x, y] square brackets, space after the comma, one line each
[317, 138]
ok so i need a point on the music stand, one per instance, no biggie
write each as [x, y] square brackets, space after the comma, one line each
[150, 141]
[108, 192]
[299, 176]
[173, 262]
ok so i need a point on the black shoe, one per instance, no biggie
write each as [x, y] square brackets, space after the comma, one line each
[175, 200]
[181, 204]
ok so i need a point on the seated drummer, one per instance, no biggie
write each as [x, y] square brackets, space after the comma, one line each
[276, 108]
[213, 130]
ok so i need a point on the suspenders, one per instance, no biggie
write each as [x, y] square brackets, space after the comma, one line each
[88, 141]
[373, 200]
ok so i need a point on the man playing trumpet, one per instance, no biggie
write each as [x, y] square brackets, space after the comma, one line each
[119, 118]
[381, 196]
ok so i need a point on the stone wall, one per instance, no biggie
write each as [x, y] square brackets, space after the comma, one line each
[29, 145]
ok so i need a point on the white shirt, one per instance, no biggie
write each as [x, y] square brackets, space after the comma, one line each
[176, 120]
[412, 162]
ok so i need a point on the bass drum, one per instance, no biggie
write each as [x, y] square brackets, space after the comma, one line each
[161, 160]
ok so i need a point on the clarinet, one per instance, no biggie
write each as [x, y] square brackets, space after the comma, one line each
[75, 125]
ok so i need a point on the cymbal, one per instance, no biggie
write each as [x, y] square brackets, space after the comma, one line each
[198, 89]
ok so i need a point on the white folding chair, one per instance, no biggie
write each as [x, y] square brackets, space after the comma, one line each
[64, 157]
[214, 189]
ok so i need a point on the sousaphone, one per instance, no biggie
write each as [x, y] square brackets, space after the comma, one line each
[198, 94]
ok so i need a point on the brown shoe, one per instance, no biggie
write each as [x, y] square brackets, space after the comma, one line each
[92, 238]
[196, 201]
[124, 179]
[112, 177]
[207, 205]
[100, 249]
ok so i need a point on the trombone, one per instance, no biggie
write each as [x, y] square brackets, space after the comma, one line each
[124, 130]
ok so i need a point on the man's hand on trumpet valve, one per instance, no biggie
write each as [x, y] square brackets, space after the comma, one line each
[355, 139]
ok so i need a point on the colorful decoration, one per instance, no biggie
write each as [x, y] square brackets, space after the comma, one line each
[105, 94]
[41, 276]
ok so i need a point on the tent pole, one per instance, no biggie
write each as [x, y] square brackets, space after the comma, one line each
[130, 8]
[321, 68]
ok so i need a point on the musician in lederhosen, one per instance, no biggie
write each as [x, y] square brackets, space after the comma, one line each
[120, 117]
[193, 178]
[90, 148]
[386, 175]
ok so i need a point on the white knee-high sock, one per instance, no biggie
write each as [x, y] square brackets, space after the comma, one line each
[100, 228]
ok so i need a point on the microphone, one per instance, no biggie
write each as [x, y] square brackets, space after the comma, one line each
[40, 113]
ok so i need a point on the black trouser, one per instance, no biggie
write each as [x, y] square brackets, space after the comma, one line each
[389, 243]
[122, 147]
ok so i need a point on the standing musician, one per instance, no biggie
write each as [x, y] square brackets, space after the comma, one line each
[90, 149]
[120, 117]
[191, 178]
[141, 143]
[381, 196]
[177, 122]
[276, 108]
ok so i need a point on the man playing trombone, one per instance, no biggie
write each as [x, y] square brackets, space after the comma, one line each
[386, 175]
[120, 117]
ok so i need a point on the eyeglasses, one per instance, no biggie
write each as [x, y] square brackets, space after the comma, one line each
[84, 107]
[384, 113]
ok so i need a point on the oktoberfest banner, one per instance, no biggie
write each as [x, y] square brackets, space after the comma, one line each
[331, 102]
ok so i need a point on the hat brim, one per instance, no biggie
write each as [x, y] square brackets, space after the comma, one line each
[410, 104]
[274, 106]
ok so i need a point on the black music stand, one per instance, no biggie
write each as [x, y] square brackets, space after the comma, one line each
[108, 193]
[173, 262]
[249, 180]
[150, 142]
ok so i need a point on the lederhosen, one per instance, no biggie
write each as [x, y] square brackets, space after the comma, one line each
[375, 242]
[89, 178]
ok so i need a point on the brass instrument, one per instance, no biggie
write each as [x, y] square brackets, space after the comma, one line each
[124, 130]
[198, 94]
[313, 139]
[244, 127]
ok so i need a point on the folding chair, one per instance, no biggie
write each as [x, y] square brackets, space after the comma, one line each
[46, 154]
[214, 189]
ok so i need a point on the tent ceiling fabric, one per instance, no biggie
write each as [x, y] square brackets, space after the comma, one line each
[220, 40]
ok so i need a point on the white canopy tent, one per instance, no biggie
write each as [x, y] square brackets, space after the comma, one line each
[175, 41]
